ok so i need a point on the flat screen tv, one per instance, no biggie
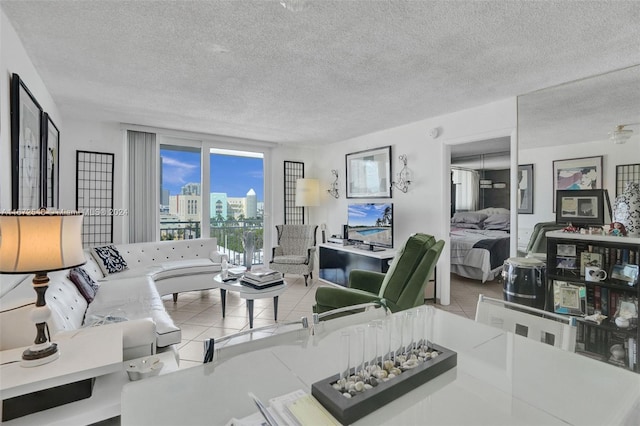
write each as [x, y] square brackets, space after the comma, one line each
[582, 208]
[371, 224]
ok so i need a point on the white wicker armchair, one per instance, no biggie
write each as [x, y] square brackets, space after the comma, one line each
[295, 251]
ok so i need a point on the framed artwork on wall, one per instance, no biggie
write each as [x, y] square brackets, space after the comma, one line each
[525, 189]
[577, 173]
[369, 173]
[51, 165]
[626, 173]
[26, 147]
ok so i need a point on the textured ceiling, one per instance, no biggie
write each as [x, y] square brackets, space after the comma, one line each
[335, 70]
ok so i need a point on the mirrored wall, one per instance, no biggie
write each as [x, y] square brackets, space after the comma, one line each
[571, 124]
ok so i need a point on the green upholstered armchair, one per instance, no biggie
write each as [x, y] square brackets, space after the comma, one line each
[402, 287]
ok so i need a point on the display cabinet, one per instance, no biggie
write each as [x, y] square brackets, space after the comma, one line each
[595, 279]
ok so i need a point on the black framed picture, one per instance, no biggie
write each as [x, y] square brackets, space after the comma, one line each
[26, 147]
[369, 173]
[583, 207]
[525, 189]
[51, 165]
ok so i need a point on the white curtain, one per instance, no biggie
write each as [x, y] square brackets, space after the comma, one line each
[143, 189]
[467, 189]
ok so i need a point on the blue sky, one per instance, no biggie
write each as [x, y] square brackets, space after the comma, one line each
[230, 174]
[365, 214]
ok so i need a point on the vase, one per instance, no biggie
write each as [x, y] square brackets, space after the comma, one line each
[249, 245]
[626, 209]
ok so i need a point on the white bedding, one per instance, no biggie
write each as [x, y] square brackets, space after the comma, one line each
[470, 262]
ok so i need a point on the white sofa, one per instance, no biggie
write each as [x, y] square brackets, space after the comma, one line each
[130, 299]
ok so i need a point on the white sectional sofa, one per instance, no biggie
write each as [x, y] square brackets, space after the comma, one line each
[130, 299]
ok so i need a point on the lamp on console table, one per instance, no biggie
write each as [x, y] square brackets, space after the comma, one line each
[37, 242]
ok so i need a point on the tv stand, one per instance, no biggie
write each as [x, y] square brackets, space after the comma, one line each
[368, 247]
[337, 262]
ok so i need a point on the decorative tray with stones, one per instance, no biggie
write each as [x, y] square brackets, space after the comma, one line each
[351, 398]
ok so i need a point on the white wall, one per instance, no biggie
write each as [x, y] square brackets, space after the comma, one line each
[425, 207]
[542, 159]
[14, 59]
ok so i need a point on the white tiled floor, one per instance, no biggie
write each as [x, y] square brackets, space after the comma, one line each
[199, 313]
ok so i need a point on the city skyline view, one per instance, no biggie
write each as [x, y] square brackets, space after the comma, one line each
[233, 175]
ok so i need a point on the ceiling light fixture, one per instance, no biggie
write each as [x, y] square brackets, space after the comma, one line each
[620, 135]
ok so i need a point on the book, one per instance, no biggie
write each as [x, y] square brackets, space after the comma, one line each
[261, 285]
[263, 275]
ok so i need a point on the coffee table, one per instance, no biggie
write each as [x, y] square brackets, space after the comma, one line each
[250, 294]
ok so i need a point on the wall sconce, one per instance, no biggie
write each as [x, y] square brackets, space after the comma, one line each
[621, 135]
[333, 191]
[404, 177]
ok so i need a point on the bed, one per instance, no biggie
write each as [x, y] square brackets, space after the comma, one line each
[480, 243]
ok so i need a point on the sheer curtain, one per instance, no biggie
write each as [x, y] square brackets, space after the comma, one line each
[467, 188]
[143, 189]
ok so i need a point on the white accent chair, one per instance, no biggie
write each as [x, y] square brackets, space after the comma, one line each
[296, 250]
[546, 327]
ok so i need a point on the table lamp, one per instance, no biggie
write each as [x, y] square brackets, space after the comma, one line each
[307, 193]
[37, 242]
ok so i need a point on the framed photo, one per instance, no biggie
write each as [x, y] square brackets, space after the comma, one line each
[584, 207]
[566, 263]
[369, 173]
[525, 189]
[569, 298]
[51, 165]
[26, 147]
[566, 250]
[577, 173]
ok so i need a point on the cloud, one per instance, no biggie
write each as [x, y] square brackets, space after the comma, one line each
[172, 162]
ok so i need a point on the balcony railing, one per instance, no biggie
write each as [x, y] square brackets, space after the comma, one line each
[230, 235]
[179, 230]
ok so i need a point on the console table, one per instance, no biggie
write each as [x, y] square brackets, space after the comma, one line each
[337, 261]
[501, 378]
[94, 352]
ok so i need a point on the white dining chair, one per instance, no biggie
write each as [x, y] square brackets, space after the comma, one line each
[546, 327]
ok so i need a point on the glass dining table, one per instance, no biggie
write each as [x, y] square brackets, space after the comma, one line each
[500, 379]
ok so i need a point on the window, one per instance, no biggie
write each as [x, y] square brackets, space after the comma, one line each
[180, 192]
[237, 203]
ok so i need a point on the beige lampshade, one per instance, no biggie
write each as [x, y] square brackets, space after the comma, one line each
[40, 241]
[307, 192]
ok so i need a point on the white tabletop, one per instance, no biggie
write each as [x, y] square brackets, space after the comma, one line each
[86, 353]
[500, 379]
[247, 292]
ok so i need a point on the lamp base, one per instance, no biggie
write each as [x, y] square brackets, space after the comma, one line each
[40, 354]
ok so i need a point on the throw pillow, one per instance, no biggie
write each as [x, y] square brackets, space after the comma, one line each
[85, 284]
[109, 259]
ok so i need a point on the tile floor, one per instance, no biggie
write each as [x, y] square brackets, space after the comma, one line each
[199, 313]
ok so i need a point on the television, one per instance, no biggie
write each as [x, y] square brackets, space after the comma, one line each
[584, 207]
[371, 225]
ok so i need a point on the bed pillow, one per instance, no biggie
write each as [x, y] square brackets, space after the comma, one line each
[85, 284]
[498, 221]
[469, 217]
[109, 259]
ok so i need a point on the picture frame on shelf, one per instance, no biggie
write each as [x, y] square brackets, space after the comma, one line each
[26, 147]
[51, 165]
[525, 189]
[569, 298]
[577, 174]
[583, 207]
[369, 173]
